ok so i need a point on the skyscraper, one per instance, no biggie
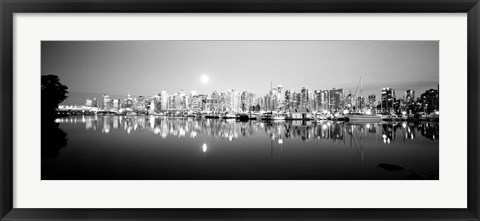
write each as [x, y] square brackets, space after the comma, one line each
[388, 99]
[430, 101]
[107, 102]
[324, 100]
[336, 100]
[371, 104]
[409, 96]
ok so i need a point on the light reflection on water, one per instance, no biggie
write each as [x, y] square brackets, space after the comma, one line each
[231, 129]
[150, 147]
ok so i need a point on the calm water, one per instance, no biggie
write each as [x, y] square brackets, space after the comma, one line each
[148, 147]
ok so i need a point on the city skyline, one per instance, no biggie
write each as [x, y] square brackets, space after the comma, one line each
[278, 99]
[148, 67]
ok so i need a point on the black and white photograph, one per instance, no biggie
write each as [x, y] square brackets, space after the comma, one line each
[240, 110]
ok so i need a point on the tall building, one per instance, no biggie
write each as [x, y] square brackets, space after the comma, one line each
[288, 99]
[280, 97]
[349, 103]
[247, 100]
[94, 102]
[157, 103]
[107, 102]
[410, 96]
[430, 101]
[324, 100]
[336, 100]
[140, 104]
[388, 99]
[196, 103]
[304, 101]
[182, 101]
[371, 104]
[316, 100]
[88, 102]
[163, 97]
[171, 101]
[116, 103]
[360, 105]
[129, 101]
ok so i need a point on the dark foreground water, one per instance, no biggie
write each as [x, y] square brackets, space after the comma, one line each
[158, 148]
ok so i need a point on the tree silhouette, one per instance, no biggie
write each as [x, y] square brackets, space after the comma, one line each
[53, 93]
[52, 137]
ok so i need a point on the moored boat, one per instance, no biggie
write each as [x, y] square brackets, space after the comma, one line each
[243, 117]
[279, 117]
[229, 116]
[433, 117]
[267, 116]
[363, 118]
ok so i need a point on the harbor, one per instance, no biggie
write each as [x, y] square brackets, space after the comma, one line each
[161, 147]
[264, 115]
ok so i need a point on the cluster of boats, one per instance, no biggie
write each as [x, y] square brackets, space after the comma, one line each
[318, 117]
[352, 117]
[364, 118]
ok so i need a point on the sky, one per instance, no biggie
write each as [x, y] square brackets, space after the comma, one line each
[92, 68]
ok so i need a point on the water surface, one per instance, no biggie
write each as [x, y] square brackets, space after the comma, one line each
[159, 148]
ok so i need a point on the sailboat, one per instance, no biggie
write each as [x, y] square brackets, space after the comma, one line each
[362, 117]
[278, 116]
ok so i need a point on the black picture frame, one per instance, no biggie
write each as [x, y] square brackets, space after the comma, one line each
[9, 7]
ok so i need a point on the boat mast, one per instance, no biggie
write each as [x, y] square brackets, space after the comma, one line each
[355, 95]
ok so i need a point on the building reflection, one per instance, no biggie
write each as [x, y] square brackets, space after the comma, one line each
[230, 130]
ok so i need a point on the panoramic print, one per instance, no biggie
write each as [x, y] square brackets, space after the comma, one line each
[240, 110]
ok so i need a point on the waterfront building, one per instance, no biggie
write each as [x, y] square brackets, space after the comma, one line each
[349, 102]
[259, 103]
[388, 99]
[410, 100]
[371, 104]
[116, 104]
[150, 104]
[336, 100]
[280, 97]
[107, 102]
[247, 101]
[163, 100]
[400, 106]
[324, 100]
[88, 102]
[196, 103]
[311, 100]
[288, 99]
[128, 101]
[360, 105]
[267, 103]
[304, 101]
[429, 101]
[172, 101]
[182, 101]
[316, 100]
[215, 102]
[409, 96]
[94, 102]
[157, 103]
[233, 100]
[140, 104]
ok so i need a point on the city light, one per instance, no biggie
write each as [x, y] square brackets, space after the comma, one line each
[278, 104]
